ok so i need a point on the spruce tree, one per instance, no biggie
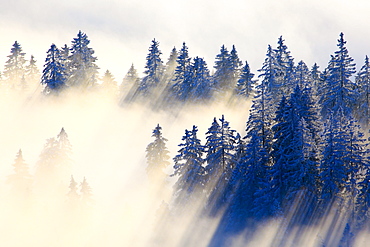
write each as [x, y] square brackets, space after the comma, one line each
[21, 180]
[339, 91]
[53, 76]
[154, 71]
[246, 83]
[15, 66]
[83, 71]
[157, 156]
[189, 169]
[220, 163]
[363, 87]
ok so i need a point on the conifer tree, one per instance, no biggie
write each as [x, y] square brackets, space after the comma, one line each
[109, 84]
[72, 195]
[220, 163]
[363, 86]
[86, 194]
[32, 73]
[224, 70]
[189, 168]
[246, 83]
[182, 76]
[154, 70]
[21, 180]
[15, 66]
[200, 86]
[53, 76]
[157, 156]
[284, 68]
[339, 91]
[83, 71]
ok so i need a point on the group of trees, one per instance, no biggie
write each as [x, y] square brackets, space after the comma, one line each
[304, 153]
[181, 79]
[50, 179]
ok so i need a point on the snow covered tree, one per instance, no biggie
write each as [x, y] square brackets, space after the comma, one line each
[53, 76]
[339, 91]
[362, 112]
[154, 71]
[189, 169]
[182, 77]
[224, 70]
[246, 83]
[21, 180]
[83, 71]
[220, 163]
[301, 76]
[15, 66]
[200, 86]
[157, 156]
[285, 67]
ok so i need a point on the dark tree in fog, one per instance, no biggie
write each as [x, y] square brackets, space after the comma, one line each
[54, 75]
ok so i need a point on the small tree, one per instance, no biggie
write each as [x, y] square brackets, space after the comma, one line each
[54, 76]
[157, 156]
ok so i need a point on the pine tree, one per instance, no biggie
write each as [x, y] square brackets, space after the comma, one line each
[224, 70]
[83, 71]
[339, 91]
[157, 156]
[363, 86]
[220, 163]
[21, 180]
[86, 194]
[109, 84]
[154, 71]
[284, 69]
[73, 195]
[189, 169]
[170, 67]
[182, 77]
[246, 83]
[201, 88]
[53, 76]
[32, 73]
[301, 76]
[15, 66]
[129, 86]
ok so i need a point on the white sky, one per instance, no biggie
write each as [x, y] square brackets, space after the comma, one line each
[121, 30]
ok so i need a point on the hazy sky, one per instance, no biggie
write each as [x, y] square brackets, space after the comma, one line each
[121, 30]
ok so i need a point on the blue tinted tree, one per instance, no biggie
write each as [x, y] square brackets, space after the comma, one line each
[339, 91]
[83, 71]
[189, 169]
[363, 86]
[54, 76]
[246, 83]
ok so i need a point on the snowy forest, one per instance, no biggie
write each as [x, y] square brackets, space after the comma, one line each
[184, 153]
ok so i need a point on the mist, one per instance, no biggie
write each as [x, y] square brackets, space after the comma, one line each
[108, 149]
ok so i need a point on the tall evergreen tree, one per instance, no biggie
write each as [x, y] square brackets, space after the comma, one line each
[246, 83]
[32, 73]
[53, 76]
[157, 156]
[339, 91]
[201, 87]
[224, 70]
[285, 68]
[362, 111]
[82, 68]
[220, 163]
[86, 194]
[182, 77]
[15, 66]
[21, 180]
[109, 83]
[154, 70]
[189, 169]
